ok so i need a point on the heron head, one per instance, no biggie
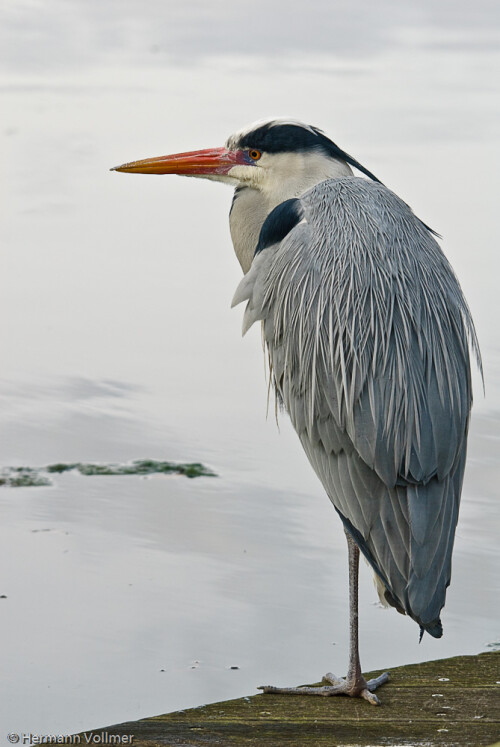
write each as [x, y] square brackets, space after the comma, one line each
[264, 155]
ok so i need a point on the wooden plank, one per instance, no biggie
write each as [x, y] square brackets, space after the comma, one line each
[446, 703]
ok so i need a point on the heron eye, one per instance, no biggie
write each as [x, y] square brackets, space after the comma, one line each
[254, 154]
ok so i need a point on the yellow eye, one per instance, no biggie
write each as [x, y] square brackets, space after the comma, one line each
[254, 154]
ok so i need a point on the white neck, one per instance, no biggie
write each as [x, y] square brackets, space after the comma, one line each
[285, 176]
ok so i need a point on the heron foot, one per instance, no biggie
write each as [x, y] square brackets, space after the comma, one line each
[354, 687]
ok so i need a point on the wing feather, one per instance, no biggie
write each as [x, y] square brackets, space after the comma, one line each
[368, 336]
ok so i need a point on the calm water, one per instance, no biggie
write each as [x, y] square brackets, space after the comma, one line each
[128, 597]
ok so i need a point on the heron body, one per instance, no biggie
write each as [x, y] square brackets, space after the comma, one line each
[368, 335]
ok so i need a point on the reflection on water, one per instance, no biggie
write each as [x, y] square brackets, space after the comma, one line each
[118, 344]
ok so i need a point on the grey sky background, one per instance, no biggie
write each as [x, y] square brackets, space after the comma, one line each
[40, 37]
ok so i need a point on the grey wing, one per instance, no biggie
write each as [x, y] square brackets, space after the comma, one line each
[368, 336]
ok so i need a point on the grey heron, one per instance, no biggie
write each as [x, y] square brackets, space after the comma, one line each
[368, 336]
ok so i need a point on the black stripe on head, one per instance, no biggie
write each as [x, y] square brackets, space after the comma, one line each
[279, 223]
[296, 138]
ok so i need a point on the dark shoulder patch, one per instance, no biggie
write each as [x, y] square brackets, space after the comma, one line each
[279, 223]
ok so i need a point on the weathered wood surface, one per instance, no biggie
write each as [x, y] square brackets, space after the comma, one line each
[446, 703]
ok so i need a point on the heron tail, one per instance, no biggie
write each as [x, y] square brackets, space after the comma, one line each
[435, 629]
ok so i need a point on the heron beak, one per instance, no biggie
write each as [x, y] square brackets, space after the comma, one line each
[195, 163]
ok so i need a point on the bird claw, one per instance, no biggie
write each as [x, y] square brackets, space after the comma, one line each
[377, 681]
[335, 686]
[370, 697]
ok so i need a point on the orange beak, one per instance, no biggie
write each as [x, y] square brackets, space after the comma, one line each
[195, 163]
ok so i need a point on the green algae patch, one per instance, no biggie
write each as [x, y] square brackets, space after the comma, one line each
[59, 468]
[24, 477]
[146, 467]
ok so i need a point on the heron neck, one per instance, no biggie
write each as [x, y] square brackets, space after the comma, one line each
[251, 206]
[249, 210]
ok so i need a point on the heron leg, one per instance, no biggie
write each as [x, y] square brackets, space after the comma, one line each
[354, 684]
